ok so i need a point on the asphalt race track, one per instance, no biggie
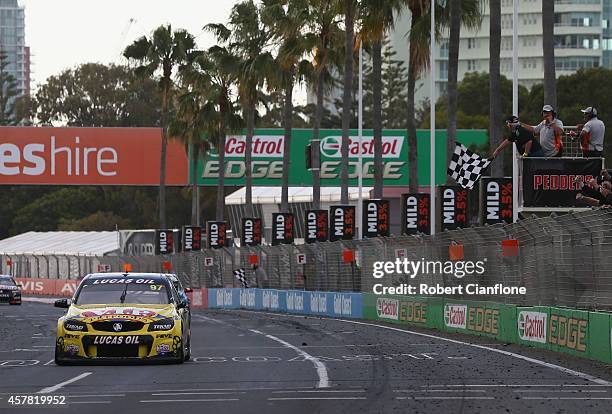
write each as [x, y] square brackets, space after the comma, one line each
[247, 362]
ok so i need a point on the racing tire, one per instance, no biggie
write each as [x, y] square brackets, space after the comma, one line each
[56, 358]
[188, 348]
[17, 303]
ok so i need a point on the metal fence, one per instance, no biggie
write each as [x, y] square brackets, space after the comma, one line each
[563, 260]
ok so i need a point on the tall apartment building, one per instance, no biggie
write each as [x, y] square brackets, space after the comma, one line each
[12, 43]
[583, 39]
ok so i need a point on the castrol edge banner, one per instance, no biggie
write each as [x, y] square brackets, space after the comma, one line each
[88, 156]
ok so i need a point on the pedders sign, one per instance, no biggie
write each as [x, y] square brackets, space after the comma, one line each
[416, 213]
[454, 207]
[251, 232]
[215, 232]
[88, 156]
[342, 225]
[375, 218]
[317, 226]
[192, 238]
[164, 242]
[552, 182]
[283, 228]
[496, 200]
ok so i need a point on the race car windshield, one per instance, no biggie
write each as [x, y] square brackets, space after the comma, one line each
[107, 293]
[7, 281]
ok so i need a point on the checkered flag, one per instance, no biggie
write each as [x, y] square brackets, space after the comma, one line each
[466, 167]
[240, 275]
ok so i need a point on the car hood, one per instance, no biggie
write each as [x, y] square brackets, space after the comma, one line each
[135, 312]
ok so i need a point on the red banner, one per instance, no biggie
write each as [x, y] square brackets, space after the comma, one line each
[53, 287]
[88, 156]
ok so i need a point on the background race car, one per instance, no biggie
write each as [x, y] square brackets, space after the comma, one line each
[10, 292]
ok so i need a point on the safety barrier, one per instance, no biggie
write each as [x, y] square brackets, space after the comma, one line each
[581, 333]
[333, 304]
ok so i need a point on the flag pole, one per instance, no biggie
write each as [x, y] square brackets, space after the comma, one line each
[515, 109]
[359, 134]
[432, 121]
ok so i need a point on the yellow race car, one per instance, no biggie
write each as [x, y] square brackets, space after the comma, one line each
[123, 317]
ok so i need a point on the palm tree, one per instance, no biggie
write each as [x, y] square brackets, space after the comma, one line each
[214, 73]
[347, 97]
[322, 17]
[548, 46]
[247, 38]
[466, 13]
[285, 18]
[377, 19]
[164, 50]
[194, 116]
[497, 168]
[419, 61]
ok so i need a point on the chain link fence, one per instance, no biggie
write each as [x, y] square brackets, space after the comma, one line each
[563, 260]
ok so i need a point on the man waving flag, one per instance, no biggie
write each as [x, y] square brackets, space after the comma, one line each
[466, 167]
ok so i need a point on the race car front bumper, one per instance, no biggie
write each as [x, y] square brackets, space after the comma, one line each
[94, 347]
[12, 297]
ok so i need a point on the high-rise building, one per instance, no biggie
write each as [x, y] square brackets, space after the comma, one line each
[12, 43]
[583, 39]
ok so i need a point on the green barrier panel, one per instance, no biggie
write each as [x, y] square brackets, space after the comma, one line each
[568, 331]
[532, 326]
[600, 336]
[413, 310]
[581, 333]
[480, 318]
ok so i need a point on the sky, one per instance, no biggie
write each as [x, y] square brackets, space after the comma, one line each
[65, 33]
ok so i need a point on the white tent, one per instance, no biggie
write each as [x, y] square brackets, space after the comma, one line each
[272, 195]
[61, 243]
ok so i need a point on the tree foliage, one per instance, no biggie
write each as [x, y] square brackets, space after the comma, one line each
[95, 95]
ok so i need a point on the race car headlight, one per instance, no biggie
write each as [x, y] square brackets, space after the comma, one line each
[73, 325]
[161, 325]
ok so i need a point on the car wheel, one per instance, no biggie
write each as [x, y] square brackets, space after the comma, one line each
[57, 360]
[188, 348]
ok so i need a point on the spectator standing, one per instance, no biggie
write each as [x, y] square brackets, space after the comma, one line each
[592, 134]
[550, 131]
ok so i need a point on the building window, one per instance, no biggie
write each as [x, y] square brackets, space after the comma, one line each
[472, 65]
[471, 43]
[443, 74]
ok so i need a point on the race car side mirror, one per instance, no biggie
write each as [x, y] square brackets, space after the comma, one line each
[188, 290]
[62, 303]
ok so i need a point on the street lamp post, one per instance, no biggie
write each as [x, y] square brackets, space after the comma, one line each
[432, 115]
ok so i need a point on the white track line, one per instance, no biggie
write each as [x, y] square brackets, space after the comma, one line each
[566, 398]
[319, 366]
[61, 384]
[314, 398]
[569, 371]
[444, 398]
[166, 394]
[95, 395]
[197, 400]
[316, 391]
